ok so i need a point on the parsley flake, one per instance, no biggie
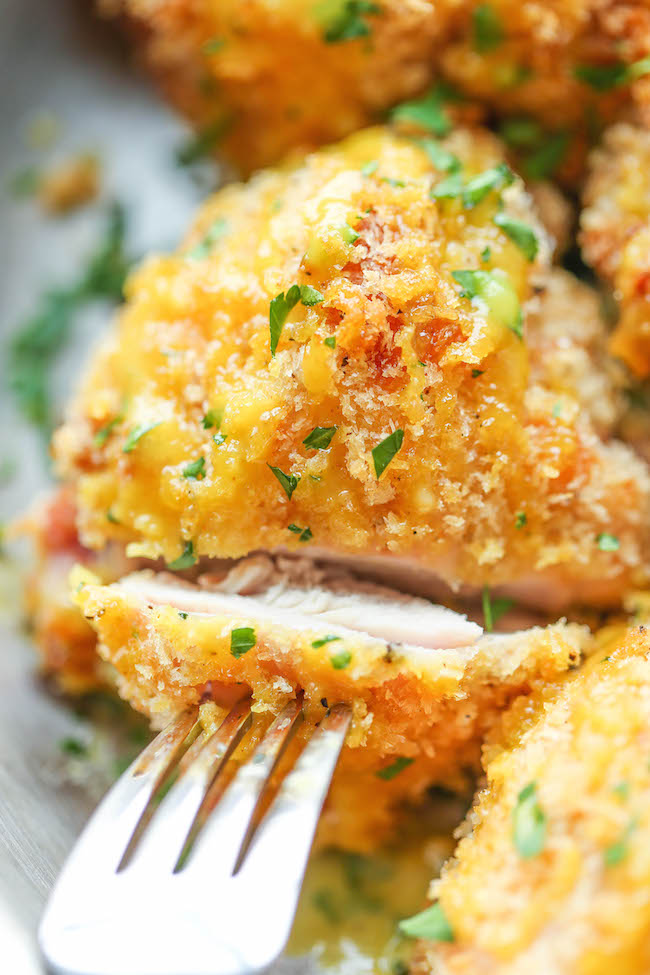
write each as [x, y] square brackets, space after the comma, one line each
[182, 615]
[441, 158]
[369, 168]
[289, 482]
[214, 45]
[320, 438]
[219, 438]
[519, 233]
[323, 640]
[213, 234]
[349, 235]
[491, 179]
[494, 290]
[529, 823]
[349, 20]
[211, 419]
[521, 519]
[283, 303]
[486, 254]
[111, 518]
[427, 112]
[487, 28]
[390, 771]
[202, 143]
[74, 747]
[384, 452]
[305, 533]
[494, 609]
[195, 471]
[602, 77]
[242, 640]
[447, 189]
[341, 660]
[136, 435]
[185, 560]
[607, 542]
[104, 432]
[330, 342]
[431, 924]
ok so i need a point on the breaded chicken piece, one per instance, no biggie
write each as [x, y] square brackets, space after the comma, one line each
[555, 873]
[261, 77]
[336, 363]
[615, 234]
[420, 709]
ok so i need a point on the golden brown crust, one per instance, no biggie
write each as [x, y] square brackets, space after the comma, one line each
[580, 904]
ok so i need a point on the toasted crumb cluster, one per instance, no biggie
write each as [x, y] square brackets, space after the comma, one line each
[429, 706]
[397, 416]
[554, 875]
[615, 233]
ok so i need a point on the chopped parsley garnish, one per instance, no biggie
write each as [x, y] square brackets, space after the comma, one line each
[430, 924]
[341, 660]
[347, 20]
[330, 342]
[323, 640]
[349, 235]
[220, 438]
[384, 452]
[607, 542]
[441, 158]
[542, 151]
[528, 823]
[185, 560]
[104, 432]
[320, 438]
[36, 345]
[214, 45]
[494, 290]
[370, 167]
[242, 640]
[494, 609]
[289, 482]
[25, 182]
[428, 111]
[390, 771]
[447, 189]
[395, 183]
[494, 178]
[136, 435]
[487, 28]
[520, 234]
[325, 902]
[74, 747]
[521, 519]
[622, 790]
[195, 471]
[477, 372]
[211, 419]
[213, 234]
[604, 77]
[111, 517]
[283, 303]
[486, 254]
[305, 533]
[617, 852]
[182, 615]
[201, 144]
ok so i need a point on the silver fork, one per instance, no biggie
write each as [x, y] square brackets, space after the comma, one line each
[189, 887]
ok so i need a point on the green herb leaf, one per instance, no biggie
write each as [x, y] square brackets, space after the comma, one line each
[390, 771]
[494, 290]
[104, 432]
[136, 435]
[384, 452]
[487, 28]
[195, 470]
[447, 189]
[282, 304]
[214, 45]
[486, 254]
[201, 144]
[323, 640]
[369, 168]
[494, 609]
[430, 924]
[330, 342]
[214, 233]
[348, 21]
[492, 179]
[441, 158]
[111, 517]
[349, 235]
[607, 542]
[427, 112]
[522, 133]
[182, 615]
[220, 438]
[340, 661]
[74, 747]
[520, 234]
[545, 160]
[602, 77]
[320, 438]
[638, 69]
[185, 560]
[211, 419]
[305, 533]
[529, 823]
[615, 853]
[289, 482]
[242, 640]
[521, 519]
[310, 296]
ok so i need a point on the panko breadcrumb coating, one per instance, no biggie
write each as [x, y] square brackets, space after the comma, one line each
[172, 645]
[261, 77]
[615, 233]
[396, 419]
[555, 873]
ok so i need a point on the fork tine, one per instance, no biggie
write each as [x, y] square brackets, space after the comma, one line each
[161, 847]
[227, 830]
